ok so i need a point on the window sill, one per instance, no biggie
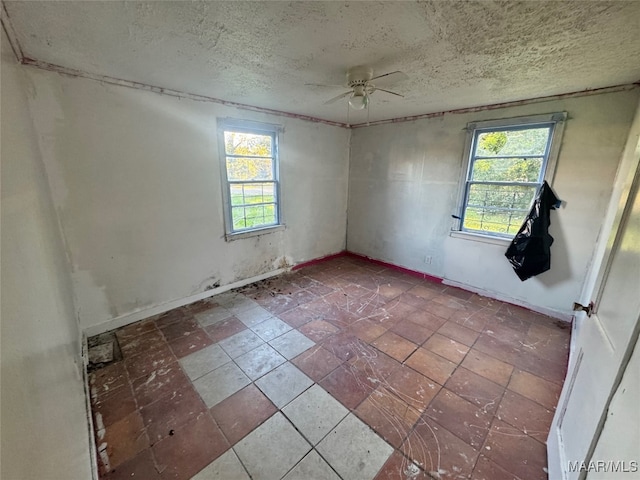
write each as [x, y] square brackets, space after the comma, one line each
[230, 237]
[478, 237]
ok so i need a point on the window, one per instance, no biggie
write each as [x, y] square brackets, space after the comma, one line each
[508, 161]
[249, 153]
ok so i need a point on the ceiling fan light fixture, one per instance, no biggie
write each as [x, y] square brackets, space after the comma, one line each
[359, 101]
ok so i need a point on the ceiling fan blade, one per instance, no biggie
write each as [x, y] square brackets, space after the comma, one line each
[387, 91]
[324, 85]
[335, 99]
[389, 78]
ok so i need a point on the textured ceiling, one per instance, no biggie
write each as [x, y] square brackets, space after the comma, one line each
[457, 54]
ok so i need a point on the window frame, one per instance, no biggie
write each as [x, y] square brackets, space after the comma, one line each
[555, 121]
[256, 128]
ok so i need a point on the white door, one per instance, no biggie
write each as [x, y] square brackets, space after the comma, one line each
[601, 343]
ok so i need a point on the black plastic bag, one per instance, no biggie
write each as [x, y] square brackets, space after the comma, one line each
[530, 249]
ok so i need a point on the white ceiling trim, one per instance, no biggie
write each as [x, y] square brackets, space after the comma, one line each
[203, 98]
[271, 54]
[168, 91]
[11, 34]
[495, 106]
[25, 60]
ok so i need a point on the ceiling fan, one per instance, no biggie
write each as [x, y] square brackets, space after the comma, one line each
[362, 83]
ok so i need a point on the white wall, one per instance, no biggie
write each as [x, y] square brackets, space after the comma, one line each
[404, 187]
[44, 424]
[135, 179]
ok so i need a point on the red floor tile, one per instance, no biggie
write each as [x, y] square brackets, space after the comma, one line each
[459, 333]
[542, 367]
[242, 412]
[430, 365]
[459, 293]
[158, 383]
[345, 345]
[376, 365]
[301, 315]
[349, 385]
[317, 362]
[140, 466]
[424, 291]
[451, 301]
[412, 387]
[318, 330]
[389, 416]
[142, 343]
[535, 388]
[485, 303]
[496, 348]
[180, 329]
[439, 451]
[393, 288]
[386, 343]
[280, 303]
[194, 341]
[551, 343]
[414, 301]
[487, 366]
[446, 347]
[526, 415]
[476, 389]
[367, 330]
[516, 452]
[395, 346]
[426, 318]
[412, 331]
[487, 469]
[464, 419]
[167, 318]
[200, 306]
[145, 363]
[170, 412]
[513, 336]
[224, 329]
[131, 331]
[191, 448]
[121, 441]
[108, 381]
[113, 408]
[399, 467]
[440, 310]
[474, 319]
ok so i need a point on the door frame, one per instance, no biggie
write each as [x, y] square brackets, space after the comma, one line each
[626, 185]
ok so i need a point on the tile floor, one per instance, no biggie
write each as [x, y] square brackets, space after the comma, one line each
[342, 370]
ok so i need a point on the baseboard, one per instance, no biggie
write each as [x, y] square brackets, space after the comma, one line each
[93, 454]
[132, 317]
[408, 271]
[566, 317]
[315, 261]
[138, 315]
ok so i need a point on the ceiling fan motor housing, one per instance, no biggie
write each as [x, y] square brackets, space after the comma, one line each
[359, 76]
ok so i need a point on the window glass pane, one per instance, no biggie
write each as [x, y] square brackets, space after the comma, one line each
[238, 218]
[530, 141]
[244, 169]
[252, 193]
[239, 143]
[270, 213]
[253, 216]
[507, 169]
[498, 208]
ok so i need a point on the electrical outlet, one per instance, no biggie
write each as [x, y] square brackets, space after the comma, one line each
[427, 259]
